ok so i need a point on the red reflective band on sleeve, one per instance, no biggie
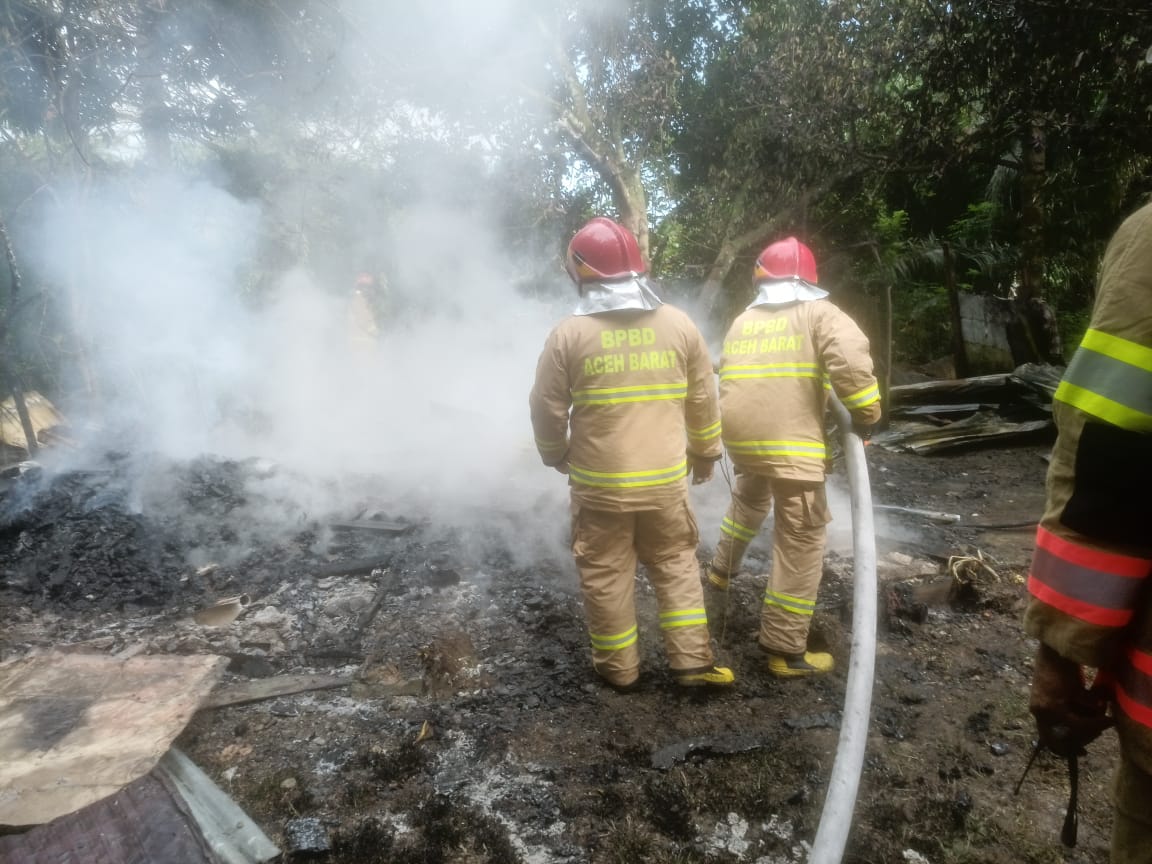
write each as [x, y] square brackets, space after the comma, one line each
[1140, 660]
[1134, 686]
[1142, 714]
[1109, 562]
[1078, 608]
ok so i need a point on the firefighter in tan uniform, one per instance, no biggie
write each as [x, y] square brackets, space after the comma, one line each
[363, 329]
[1091, 602]
[624, 403]
[781, 355]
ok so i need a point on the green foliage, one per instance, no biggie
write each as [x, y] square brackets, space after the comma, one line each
[878, 130]
[920, 323]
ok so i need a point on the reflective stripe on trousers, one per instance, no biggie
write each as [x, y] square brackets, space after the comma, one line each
[797, 552]
[607, 546]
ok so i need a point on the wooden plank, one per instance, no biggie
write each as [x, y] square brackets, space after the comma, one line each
[384, 526]
[951, 388]
[270, 688]
[355, 565]
[940, 409]
[981, 428]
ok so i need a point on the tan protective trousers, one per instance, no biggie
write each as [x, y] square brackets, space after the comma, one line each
[1132, 828]
[606, 547]
[797, 552]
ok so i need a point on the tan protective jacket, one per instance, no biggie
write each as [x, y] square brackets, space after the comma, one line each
[623, 398]
[1091, 568]
[778, 361]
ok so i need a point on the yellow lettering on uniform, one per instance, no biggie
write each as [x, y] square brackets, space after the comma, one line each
[791, 343]
[638, 336]
[604, 364]
[766, 325]
[621, 337]
[606, 339]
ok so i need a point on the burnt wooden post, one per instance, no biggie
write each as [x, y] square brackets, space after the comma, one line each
[959, 354]
[9, 379]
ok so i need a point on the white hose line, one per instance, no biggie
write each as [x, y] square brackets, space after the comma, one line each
[836, 819]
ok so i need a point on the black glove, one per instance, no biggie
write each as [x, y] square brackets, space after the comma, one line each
[1068, 716]
[863, 430]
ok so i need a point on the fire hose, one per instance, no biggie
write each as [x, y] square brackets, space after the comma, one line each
[839, 803]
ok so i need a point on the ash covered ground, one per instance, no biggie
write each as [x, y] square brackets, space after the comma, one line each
[471, 729]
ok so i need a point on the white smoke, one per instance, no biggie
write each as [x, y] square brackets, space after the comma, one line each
[179, 363]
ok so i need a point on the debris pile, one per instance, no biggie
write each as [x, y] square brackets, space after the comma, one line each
[943, 415]
[398, 691]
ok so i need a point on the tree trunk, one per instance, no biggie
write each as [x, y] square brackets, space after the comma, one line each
[67, 80]
[885, 376]
[959, 352]
[9, 378]
[731, 248]
[632, 204]
[1036, 319]
[155, 116]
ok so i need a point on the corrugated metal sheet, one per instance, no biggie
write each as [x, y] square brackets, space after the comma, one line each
[174, 815]
[140, 824]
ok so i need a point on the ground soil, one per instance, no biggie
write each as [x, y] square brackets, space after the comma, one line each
[472, 729]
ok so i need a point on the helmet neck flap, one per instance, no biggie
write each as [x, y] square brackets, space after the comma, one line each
[633, 293]
[780, 292]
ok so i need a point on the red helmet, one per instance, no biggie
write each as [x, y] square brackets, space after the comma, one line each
[603, 250]
[786, 259]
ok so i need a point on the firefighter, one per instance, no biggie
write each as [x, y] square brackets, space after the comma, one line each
[1091, 601]
[780, 357]
[363, 330]
[624, 403]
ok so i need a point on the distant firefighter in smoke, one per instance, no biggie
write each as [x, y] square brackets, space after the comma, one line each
[363, 329]
[781, 356]
[624, 403]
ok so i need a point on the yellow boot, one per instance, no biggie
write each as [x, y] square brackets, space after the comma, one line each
[800, 665]
[709, 676]
[719, 581]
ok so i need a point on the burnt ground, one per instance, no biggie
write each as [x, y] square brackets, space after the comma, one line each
[472, 729]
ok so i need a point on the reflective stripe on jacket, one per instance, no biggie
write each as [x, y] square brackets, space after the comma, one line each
[623, 398]
[1110, 376]
[1094, 586]
[777, 364]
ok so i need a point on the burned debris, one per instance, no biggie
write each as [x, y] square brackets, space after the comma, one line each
[434, 703]
[935, 416]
